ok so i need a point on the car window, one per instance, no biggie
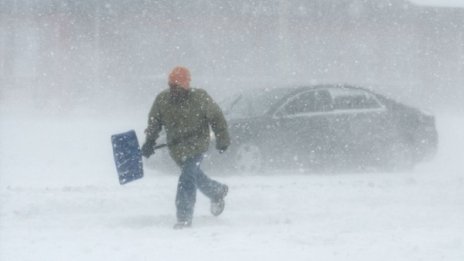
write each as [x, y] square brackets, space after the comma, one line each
[266, 99]
[349, 99]
[252, 103]
[307, 102]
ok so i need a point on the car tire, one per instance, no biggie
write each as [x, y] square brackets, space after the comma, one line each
[248, 158]
[400, 157]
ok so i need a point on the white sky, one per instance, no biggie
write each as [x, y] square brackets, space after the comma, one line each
[450, 3]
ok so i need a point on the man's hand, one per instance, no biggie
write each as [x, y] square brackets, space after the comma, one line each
[148, 149]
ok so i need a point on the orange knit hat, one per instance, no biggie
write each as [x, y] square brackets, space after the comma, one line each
[180, 76]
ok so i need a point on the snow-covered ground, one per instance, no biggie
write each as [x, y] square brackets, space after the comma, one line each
[60, 200]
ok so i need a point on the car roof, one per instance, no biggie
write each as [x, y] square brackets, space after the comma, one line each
[291, 89]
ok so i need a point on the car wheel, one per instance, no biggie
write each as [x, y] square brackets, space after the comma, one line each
[248, 158]
[401, 157]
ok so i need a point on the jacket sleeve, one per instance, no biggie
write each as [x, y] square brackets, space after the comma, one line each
[154, 122]
[217, 122]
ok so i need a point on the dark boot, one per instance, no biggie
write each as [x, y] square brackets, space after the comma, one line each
[218, 203]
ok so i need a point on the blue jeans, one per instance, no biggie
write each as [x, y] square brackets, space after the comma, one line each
[191, 178]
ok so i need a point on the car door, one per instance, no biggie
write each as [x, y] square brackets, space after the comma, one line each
[357, 125]
[303, 120]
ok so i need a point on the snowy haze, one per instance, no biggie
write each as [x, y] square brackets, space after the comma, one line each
[108, 55]
[72, 73]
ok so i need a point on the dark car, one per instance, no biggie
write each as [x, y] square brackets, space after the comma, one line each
[324, 127]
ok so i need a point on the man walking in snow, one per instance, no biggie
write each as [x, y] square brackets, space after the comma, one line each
[186, 115]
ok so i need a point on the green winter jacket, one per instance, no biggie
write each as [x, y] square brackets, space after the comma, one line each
[187, 123]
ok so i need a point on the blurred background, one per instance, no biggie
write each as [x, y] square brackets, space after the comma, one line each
[63, 56]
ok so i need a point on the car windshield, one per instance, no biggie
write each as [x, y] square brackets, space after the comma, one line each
[252, 103]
